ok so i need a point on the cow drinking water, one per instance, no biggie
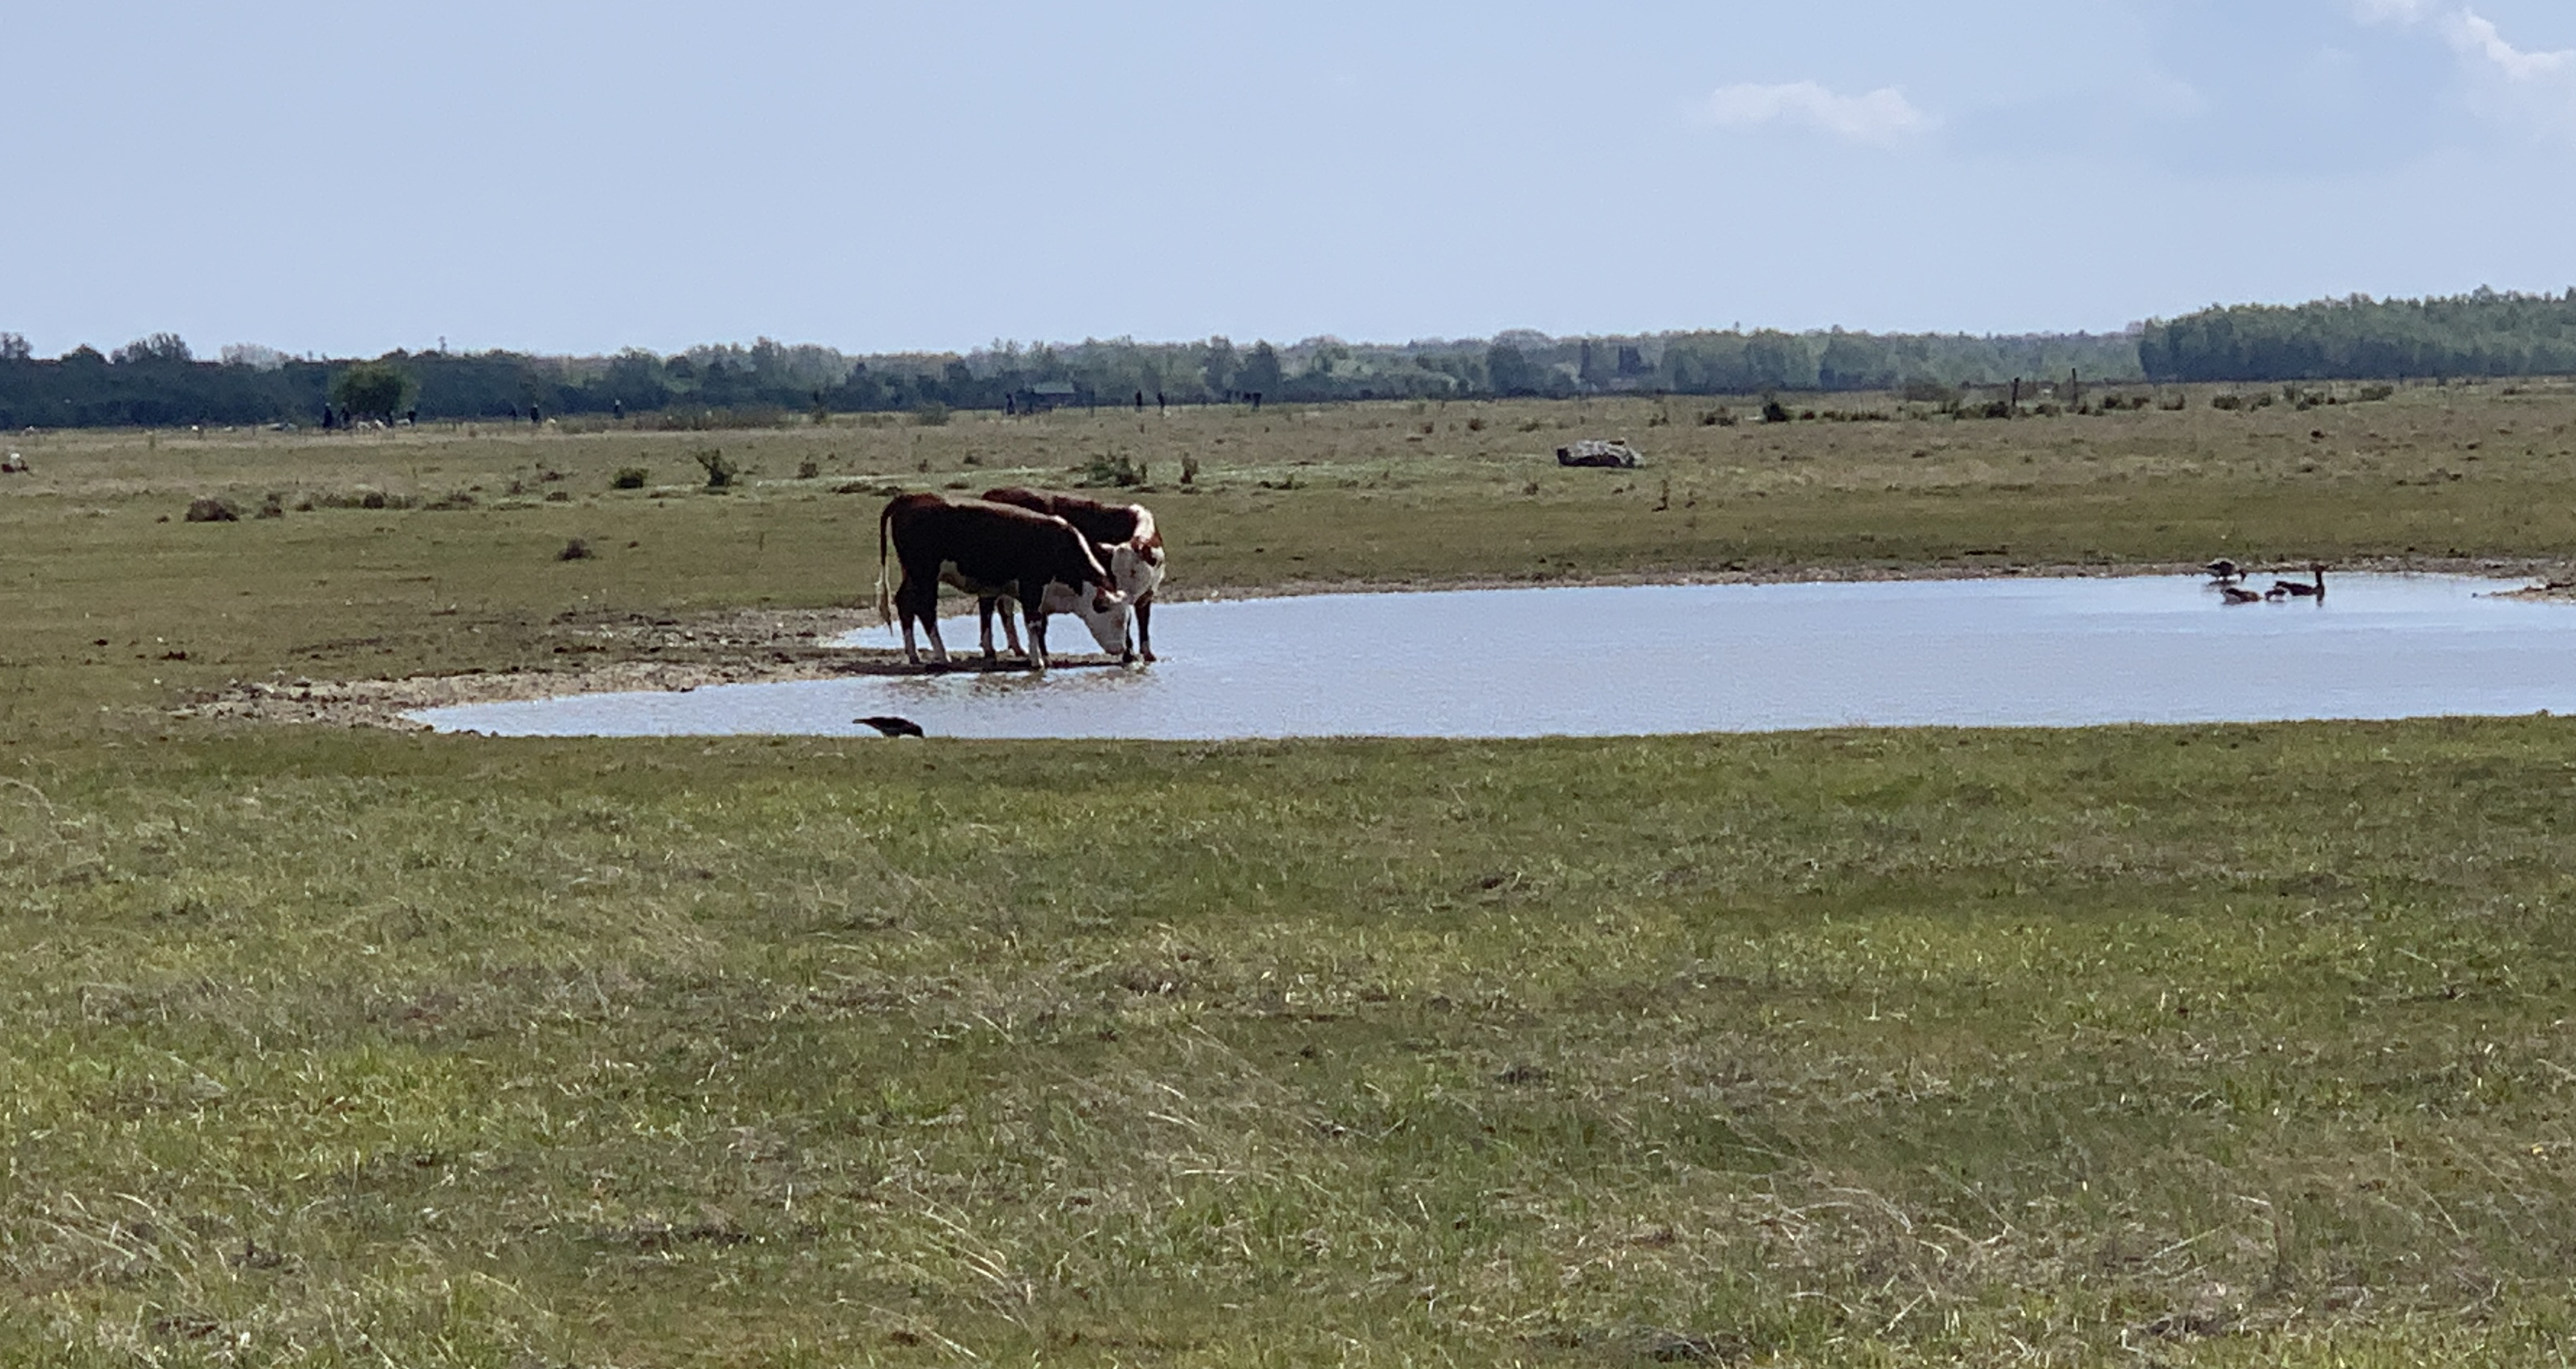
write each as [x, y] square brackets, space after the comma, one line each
[1129, 545]
[985, 549]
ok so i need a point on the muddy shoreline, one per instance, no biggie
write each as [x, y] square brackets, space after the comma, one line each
[763, 646]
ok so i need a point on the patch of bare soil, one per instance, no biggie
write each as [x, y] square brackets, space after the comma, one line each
[602, 655]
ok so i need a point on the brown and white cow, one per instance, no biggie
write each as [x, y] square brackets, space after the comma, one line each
[1130, 545]
[985, 549]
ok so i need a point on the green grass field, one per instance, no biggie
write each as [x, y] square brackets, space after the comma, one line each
[2209, 1045]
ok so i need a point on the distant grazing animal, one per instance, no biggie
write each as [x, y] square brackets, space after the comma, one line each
[985, 549]
[890, 725]
[1129, 543]
[13, 464]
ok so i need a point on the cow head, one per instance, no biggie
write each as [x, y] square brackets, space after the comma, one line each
[1136, 566]
[1108, 625]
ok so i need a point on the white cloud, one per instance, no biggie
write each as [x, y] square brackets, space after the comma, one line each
[1882, 117]
[2476, 38]
[2535, 89]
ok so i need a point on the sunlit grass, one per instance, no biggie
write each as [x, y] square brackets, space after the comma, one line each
[2212, 1045]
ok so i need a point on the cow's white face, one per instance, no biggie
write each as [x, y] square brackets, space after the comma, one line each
[1108, 626]
[1105, 615]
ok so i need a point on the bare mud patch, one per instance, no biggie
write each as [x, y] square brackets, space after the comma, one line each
[593, 655]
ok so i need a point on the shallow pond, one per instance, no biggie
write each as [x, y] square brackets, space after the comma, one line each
[1693, 658]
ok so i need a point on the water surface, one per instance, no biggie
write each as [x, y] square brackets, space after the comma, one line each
[1694, 658]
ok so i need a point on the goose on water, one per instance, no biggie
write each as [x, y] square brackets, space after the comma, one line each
[2295, 590]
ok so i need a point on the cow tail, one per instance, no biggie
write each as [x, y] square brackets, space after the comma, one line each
[885, 596]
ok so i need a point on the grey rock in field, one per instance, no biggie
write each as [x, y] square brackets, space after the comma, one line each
[206, 508]
[1595, 452]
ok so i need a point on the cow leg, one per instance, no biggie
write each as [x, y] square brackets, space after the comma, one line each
[1037, 637]
[914, 605]
[1011, 626]
[984, 607]
[1145, 625]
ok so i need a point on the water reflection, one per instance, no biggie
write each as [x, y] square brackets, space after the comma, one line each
[1668, 658]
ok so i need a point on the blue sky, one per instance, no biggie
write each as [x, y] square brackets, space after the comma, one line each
[576, 177]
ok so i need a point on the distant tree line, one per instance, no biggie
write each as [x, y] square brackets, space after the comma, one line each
[2479, 334]
[158, 381]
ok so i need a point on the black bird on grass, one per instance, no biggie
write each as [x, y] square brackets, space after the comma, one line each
[892, 726]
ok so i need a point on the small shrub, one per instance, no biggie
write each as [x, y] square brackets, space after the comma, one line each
[274, 506]
[628, 478]
[575, 550]
[2372, 393]
[1189, 470]
[1118, 471]
[1475, 425]
[721, 470]
[930, 413]
[808, 468]
[2227, 402]
[1773, 411]
[206, 508]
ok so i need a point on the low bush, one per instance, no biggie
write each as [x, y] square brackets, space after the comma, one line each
[1109, 470]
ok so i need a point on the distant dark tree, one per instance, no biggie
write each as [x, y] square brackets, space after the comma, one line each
[14, 348]
[1260, 373]
[1509, 371]
[372, 389]
[635, 380]
[1218, 369]
[159, 347]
